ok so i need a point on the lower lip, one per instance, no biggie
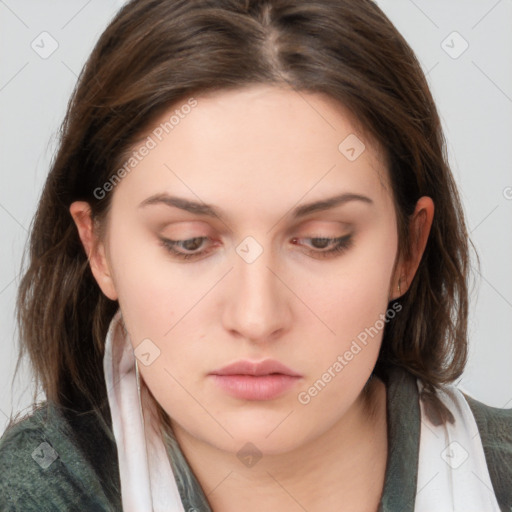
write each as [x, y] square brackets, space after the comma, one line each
[249, 387]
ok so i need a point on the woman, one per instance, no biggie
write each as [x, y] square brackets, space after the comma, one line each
[248, 277]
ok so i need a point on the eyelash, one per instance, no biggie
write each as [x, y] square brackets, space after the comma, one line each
[342, 244]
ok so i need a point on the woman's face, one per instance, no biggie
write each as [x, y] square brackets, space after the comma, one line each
[260, 281]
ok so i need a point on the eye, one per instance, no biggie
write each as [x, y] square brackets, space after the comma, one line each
[337, 246]
[190, 244]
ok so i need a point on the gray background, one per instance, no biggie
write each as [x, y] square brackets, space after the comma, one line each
[473, 91]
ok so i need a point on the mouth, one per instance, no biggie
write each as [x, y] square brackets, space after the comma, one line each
[250, 380]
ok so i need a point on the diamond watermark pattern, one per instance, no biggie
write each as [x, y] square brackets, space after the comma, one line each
[351, 147]
[44, 45]
[454, 455]
[44, 455]
[249, 249]
[249, 455]
[454, 45]
[146, 352]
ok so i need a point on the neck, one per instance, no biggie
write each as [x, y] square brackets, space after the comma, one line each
[342, 469]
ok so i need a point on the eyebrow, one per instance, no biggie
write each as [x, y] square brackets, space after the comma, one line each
[208, 210]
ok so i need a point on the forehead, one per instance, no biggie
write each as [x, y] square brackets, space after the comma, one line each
[266, 145]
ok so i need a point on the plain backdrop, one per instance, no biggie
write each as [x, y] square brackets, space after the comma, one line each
[464, 47]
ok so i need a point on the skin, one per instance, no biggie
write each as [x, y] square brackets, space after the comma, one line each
[257, 153]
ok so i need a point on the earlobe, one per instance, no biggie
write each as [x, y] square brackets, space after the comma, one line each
[94, 248]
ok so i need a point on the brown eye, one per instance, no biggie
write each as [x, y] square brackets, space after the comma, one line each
[321, 243]
[339, 245]
[190, 244]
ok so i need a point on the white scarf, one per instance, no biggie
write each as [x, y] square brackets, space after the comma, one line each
[147, 479]
[452, 474]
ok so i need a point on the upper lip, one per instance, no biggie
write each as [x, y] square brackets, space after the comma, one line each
[256, 368]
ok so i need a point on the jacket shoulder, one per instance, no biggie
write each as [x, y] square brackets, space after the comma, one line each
[43, 468]
[495, 428]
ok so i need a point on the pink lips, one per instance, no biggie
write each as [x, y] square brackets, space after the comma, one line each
[250, 380]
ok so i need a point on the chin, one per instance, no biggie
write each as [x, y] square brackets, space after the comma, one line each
[269, 436]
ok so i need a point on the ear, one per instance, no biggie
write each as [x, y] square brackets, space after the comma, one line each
[419, 229]
[94, 248]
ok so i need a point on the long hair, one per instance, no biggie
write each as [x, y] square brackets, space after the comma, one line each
[157, 53]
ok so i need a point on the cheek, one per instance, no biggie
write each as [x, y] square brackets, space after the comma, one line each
[160, 305]
[146, 282]
[350, 306]
[175, 347]
[356, 291]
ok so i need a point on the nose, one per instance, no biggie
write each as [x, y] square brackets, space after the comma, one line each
[257, 307]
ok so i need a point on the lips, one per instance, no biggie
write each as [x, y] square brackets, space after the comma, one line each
[254, 368]
[250, 380]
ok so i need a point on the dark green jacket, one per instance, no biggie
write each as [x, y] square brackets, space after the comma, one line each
[59, 461]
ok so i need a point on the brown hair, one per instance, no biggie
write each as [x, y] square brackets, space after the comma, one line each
[153, 54]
